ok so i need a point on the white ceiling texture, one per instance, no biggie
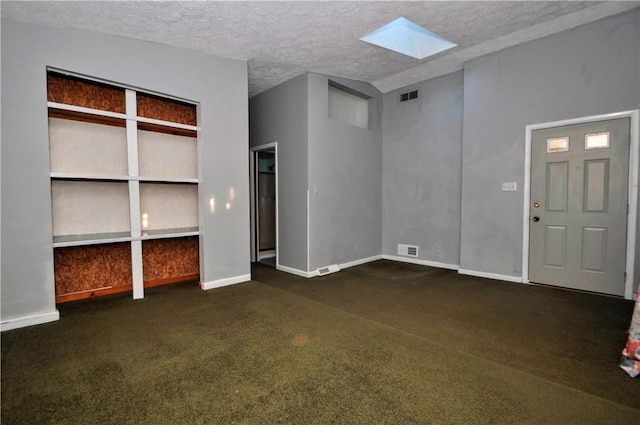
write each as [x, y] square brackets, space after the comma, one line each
[282, 39]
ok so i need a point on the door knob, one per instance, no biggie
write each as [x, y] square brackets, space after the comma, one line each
[536, 219]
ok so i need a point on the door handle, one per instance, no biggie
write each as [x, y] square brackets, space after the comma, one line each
[536, 219]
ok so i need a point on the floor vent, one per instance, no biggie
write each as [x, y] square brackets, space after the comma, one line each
[330, 269]
[408, 250]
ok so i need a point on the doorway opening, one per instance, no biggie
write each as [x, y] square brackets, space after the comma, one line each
[264, 204]
[563, 197]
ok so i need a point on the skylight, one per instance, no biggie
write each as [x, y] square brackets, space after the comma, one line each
[403, 36]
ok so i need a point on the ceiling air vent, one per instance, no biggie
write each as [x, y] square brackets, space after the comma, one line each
[410, 95]
[408, 250]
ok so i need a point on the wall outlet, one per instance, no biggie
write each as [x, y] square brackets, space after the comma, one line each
[509, 187]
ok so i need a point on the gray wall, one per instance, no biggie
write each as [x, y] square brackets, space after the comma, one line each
[219, 84]
[422, 163]
[280, 115]
[593, 69]
[345, 178]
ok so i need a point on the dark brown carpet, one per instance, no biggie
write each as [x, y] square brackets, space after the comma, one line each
[259, 353]
[571, 338]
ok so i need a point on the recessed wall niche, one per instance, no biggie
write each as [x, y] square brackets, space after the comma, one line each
[124, 188]
[347, 105]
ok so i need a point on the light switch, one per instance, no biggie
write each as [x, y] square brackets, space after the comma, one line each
[509, 187]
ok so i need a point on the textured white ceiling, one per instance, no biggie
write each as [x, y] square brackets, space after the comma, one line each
[282, 39]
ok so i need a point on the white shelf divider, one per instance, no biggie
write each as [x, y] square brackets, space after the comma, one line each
[169, 233]
[168, 123]
[76, 176]
[83, 110]
[136, 269]
[166, 180]
[90, 239]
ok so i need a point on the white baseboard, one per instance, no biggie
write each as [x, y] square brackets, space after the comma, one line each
[516, 279]
[266, 254]
[296, 271]
[36, 319]
[360, 261]
[422, 262]
[226, 282]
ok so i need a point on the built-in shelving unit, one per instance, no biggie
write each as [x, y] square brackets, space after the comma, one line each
[124, 188]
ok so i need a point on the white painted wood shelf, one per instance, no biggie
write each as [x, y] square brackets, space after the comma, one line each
[114, 237]
[113, 177]
[90, 239]
[53, 106]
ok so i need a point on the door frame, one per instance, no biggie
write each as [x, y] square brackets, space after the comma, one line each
[253, 152]
[632, 197]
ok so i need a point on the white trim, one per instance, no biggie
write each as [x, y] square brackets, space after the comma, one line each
[167, 123]
[165, 180]
[632, 217]
[134, 209]
[85, 242]
[252, 195]
[166, 235]
[136, 270]
[24, 321]
[82, 109]
[76, 176]
[360, 261]
[225, 282]
[56, 175]
[632, 200]
[296, 272]
[252, 206]
[422, 262]
[131, 116]
[266, 254]
[495, 276]
[308, 232]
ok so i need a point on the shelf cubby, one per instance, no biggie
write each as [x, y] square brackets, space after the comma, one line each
[164, 109]
[86, 271]
[78, 147]
[170, 260]
[89, 207]
[168, 206]
[75, 91]
[167, 156]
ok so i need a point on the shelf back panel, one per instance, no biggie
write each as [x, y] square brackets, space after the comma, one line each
[164, 259]
[167, 156]
[88, 94]
[167, 206]
[87, 268]
[87, 148]
[85, 207]
[159, 108]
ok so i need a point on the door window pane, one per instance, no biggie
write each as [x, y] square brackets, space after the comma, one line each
[596, 140]
[558, 144]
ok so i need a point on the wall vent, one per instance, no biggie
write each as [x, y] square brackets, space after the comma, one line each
[408, 250]
[329, 269]
[410, 95]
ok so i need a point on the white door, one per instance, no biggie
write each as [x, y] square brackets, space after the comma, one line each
[578, 210]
